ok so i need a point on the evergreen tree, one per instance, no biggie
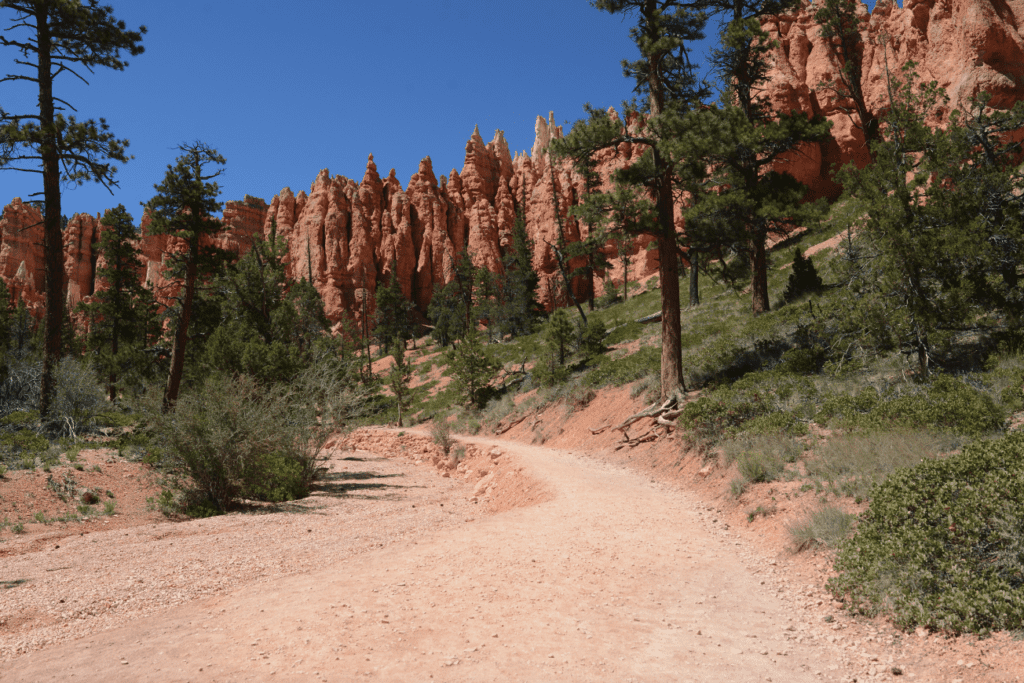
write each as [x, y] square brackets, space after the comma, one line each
[183, 208]
[451, 306]
[803, 280]
[270, 327]
[839, 24]
[398, 379]
[392, 323]
[938, 250]
[737, 143]
[472, 367]
[668, 84]
[559, 333]
[61, 36]
[520, 280]
[119, 313]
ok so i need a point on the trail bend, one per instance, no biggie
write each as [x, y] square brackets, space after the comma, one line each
[614, 578]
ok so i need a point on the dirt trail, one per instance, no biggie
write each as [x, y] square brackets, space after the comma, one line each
[614, 578]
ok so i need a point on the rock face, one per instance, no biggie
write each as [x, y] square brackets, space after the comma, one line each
[967, 46]
[348, 237]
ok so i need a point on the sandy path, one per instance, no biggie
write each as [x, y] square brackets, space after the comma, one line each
[615, 578]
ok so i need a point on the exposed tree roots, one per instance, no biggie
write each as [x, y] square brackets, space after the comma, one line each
[662, 412]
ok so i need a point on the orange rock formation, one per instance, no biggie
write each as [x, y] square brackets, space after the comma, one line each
[347, 236]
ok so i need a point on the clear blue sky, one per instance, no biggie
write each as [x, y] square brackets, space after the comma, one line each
[283, 90]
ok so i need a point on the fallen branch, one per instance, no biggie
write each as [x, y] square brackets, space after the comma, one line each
[597, 430]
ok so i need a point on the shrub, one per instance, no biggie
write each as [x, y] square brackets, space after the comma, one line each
[473, 367]
[548, 372]
[947, 403]
[233, 439]
[441, 434]
[758, 466]
[77, 397]
[803, 280]
[940, 545]
[828, 526]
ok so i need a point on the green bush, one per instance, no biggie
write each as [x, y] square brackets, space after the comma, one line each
[758, 466]
[803, 361]
[941, 544]
[947, 403]
[77, 397]
[233, 439]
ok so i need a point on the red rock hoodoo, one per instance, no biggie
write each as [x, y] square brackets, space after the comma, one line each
[348, 236]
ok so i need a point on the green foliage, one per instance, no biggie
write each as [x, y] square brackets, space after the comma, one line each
[547, 371]
[398, 379]
[472, 367]
[940, 545]
[234, 439]
[803, 280]
[559, 334]
[122, 313]
[946, 403]
[22, 443]
[592, 338]
[514, 310]
[451, 306]
[937, 244]
[184, 207]
[270, 327]
[392, 323]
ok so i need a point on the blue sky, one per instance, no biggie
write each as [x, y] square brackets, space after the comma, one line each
[283, 90]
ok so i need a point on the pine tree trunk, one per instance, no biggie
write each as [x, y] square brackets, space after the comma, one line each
[694, 281]
[668, 272]
[113, 357]
[759, 274]
[53, 248]
[181, 333]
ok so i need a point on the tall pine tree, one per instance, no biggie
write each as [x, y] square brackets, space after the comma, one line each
[184, 208]
[119, 311]
[54, 37]
[668, 85]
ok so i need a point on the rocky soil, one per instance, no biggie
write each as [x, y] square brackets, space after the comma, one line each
[521, 562]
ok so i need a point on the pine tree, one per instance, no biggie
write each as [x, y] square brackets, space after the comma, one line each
[472, 367]
[746, 201]
[119, 310]
[398, 379]
[840, 24]
[392, 323]
[803, 280]
[668, 84]
[270, 327]
[183, 208]
[559, 334]
[451, 306]
[940, 244]
[61, 36]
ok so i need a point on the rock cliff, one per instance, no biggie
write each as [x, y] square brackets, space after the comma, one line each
[348, 236]
[967, 46]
